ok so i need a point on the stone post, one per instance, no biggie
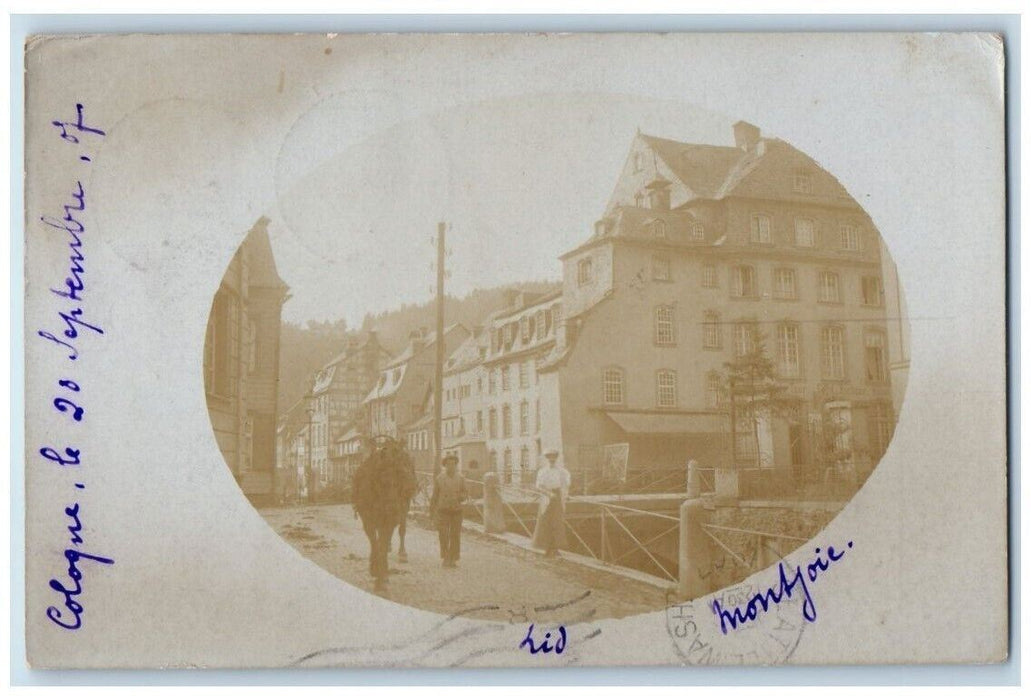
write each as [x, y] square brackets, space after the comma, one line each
[695, 560]
[694, 480]
[493, 506]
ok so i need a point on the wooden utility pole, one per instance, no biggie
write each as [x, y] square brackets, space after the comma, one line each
[438, 379]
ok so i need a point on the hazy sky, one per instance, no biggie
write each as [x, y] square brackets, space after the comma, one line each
[519, 180]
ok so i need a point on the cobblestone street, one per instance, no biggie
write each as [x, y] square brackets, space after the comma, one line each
[501, 580]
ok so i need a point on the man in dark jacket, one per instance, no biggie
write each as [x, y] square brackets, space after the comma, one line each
[446, 505]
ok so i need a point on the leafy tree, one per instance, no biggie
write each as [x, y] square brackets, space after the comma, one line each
[753, 386]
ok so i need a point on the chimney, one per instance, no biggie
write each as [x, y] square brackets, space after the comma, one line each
[658, 193]
[746, 135]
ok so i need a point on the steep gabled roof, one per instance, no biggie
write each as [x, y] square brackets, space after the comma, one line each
[702, 168]
[263, 272]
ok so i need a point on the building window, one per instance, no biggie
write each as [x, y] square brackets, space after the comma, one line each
[541, 330]
[788, 351]
[479, 422]
[537, 424]
[784, 286]
[524, 329]
[524, 376]
[709, 278]
[493, 420]
[505, 383]
[715, 392]
[881, 425]
[832, 352]
[849, 237]
[745, 442]
[805, 233]
[639, 200]
[803, 183]
[873, 291]
[712, 335]
[524, 458]
[638, 159]
[744, 339]
[660, 268]
[492, 382]
[612, 386]
[506, 421]
[698, 231]
[760, 229]
[584, 272]
[744, 282]
[830, 287]
[666, 388]
[524, 418]
[494, 461]
[665, 332]
[876, 363]
[506, 476]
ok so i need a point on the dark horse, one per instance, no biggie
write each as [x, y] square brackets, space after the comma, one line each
[382, 490]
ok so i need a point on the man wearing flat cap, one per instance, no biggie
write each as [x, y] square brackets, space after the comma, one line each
[446, 505]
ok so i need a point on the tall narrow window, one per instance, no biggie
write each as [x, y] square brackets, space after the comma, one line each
[659, 229]
[524, 458]
[537, 424]
[506, 475]
[744, 339]
[830, 287]
[876, 364]
[493, 461]
[709, 278]
[505, 384]
[744, 281]
[492, 382]
[873, 291]
[881, 427]
[832, 351]
[715, 393]
[665, 332]
[506, 421]
[524, 418]
[524, 329]
[584, 272]
[660, 268]
[541, 329]
[805, 233]
[666, 388]
[712, 336]
[524, 374]
[784, 286]
[612, 386]
[761, 229]
[849, 237]
[788, 352]
[493, 420]
[698, 231]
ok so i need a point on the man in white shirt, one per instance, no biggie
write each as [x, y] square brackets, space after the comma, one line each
[553, 485]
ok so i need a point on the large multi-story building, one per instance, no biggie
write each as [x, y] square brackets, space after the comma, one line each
[464, 413]
[519, 338]
[241, 363]
[704, 252]
[337, 392]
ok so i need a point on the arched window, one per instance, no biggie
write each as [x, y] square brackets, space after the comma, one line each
[744, 281]
[665, 330]
[666, 388]
[612, 386]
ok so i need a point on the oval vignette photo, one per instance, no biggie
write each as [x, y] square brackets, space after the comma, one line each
[477, 361]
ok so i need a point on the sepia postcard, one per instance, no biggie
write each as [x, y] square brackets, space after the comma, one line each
[498, 350]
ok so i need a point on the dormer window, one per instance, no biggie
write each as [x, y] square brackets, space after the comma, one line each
[639, 200]
[803, 183]
[659, 229]
[601, 227]
[638, 160]
[697, 231]
[584, 272]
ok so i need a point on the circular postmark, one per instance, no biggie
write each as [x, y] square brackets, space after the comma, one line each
[699, 640]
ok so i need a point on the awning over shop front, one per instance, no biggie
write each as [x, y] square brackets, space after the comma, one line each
[657, 423]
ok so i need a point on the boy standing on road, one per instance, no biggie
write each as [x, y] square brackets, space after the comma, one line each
[446, 505]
